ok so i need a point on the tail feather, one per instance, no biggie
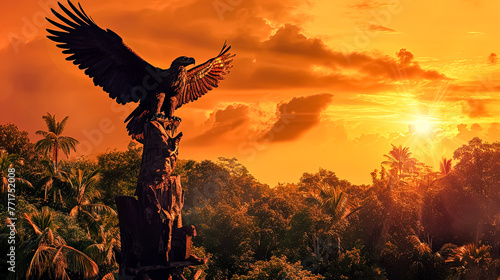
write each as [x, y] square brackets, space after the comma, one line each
[136, 121]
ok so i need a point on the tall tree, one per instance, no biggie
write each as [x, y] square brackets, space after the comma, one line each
[53, 140]
[15, 141]
[478, 167]
[400, 161]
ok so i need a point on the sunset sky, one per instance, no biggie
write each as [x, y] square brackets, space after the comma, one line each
[324, 83]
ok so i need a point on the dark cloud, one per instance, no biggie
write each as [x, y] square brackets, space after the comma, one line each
[233, 123]
[204, 24]
[288, 58]
[297, 117]
[289, 40]
[224, 124]
[275, 77]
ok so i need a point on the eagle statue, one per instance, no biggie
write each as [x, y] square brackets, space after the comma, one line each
[126, 77]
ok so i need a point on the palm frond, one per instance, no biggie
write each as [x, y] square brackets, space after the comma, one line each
[33, 227]
[38, 265]
[66, 144]
[44, 145]
[109, 276]
[79, 262]
[421, 247]
[50, 121]
[99, 209]
[23, 182]
[41, 132]
[101, 253]
[37, 223]
[60, 126]
[5, 185]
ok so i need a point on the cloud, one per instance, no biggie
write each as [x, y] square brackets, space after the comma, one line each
[289, 40]
[288, 58]
[405, 57]
[297, 117]
[474, 108]
[368, 5]
[465, 133]
[224, 125]
[476, 33]
[492, 58]
[277, 77]
[489, 133]
[375, 27]
[239, 122]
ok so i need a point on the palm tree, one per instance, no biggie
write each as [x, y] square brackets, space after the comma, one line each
[400, 160]
[334, 202]
[421, 248]
[51, 180]
[422, 254]
[335, 205]
[8, 161]
[82, 184]
[44, 254]
[445, 166]
[471, 262]
[103, 253]
[53, 141]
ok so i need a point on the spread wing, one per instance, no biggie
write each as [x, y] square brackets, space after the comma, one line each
[103, 56]
[206, 76]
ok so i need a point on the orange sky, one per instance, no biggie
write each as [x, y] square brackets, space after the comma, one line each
[314, 84]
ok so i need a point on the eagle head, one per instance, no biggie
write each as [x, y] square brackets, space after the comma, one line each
[182, 61]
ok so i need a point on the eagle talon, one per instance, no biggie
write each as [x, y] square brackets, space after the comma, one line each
[174, 118]
[157, 116]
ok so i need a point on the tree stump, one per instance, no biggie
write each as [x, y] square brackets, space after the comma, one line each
[155, 245]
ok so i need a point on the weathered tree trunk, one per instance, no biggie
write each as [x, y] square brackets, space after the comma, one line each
[154, 243]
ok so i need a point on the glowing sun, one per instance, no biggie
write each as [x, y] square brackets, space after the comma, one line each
[422, 126]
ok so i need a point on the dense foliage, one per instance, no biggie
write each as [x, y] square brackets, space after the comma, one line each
[409, 223]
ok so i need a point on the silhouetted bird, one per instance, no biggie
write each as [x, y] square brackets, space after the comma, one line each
[129, 78]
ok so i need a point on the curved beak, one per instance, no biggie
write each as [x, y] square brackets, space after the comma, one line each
[191, 61]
